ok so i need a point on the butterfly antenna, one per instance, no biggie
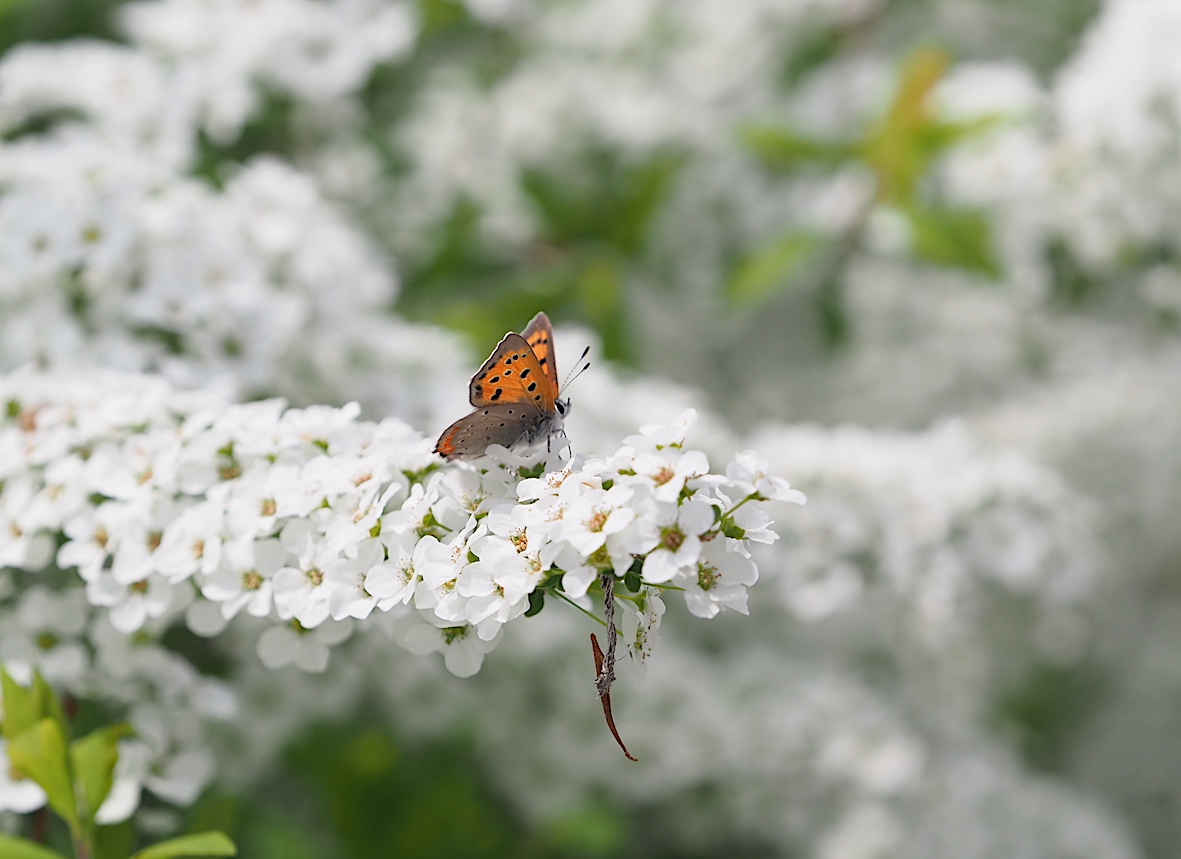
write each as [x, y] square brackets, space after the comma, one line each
[575, 374]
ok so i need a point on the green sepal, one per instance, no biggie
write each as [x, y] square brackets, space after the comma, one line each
[729, 528]
[536, 602]
[535, 470]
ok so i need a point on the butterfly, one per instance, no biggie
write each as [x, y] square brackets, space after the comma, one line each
[515, 394]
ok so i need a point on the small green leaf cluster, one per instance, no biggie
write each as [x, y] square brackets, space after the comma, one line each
[899, 148]
[76, 775]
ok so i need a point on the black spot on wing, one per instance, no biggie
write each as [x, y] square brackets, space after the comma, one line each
[525, 373]
[496, 395]
[532, 386]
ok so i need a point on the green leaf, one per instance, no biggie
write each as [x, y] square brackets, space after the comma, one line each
[810, 50]
[783, 149]
[770, 268]
[12, 847]
[201, 844]
[50, 706]
[632, 581]
[954, 237]
[896, 146]
[93, 758]
[22, 709]
[536, 603]
[40, 753]
[646, 188]
[114, 842]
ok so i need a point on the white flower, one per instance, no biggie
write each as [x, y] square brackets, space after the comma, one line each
[718, 580]
[359, 519]
[263, 496]
[299, 591]
[44, 632]
[347, 576]
[749, 473]
[191, 542]
[462, 648]
[306, 649]
[244, 578]
[654, 437]
[671, 537]
[593, 516]
[438, 566]
[392, 582]
[668, 469]
[131, 604]
[640, 624]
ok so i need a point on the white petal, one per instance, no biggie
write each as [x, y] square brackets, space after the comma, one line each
[130, 615]
[205, 618]
[462, 659]
[276, 647]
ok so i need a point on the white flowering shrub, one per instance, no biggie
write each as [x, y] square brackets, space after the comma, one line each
[962, 270]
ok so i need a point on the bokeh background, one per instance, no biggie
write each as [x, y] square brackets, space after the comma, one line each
[922, 254]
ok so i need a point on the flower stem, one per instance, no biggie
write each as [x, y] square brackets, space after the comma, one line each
[593, 617]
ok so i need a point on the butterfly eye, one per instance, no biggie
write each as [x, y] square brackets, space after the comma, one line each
[563, 407]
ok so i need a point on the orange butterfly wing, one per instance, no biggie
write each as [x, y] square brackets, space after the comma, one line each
[513, 374]
[539, 334]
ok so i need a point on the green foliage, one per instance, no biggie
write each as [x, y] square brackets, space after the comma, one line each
[594, 227]
[44, 20]
[203, 844]
[1046, 708]
[12, 847]
[784, 149]
[898, 148]
[93, 758]
[352, 791]
[813, 47]
[773, 267]
[40, 753]
[23, 707]
[954, 237]
[76, 777]
[589, 831]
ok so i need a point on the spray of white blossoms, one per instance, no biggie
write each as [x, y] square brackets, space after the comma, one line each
[310, 519]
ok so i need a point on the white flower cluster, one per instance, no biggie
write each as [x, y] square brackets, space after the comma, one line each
[224, 55]
[933, 519]
[634, 76]
[310, 518]
[116, 256]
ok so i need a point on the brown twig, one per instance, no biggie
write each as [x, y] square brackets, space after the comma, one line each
[605, 665]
